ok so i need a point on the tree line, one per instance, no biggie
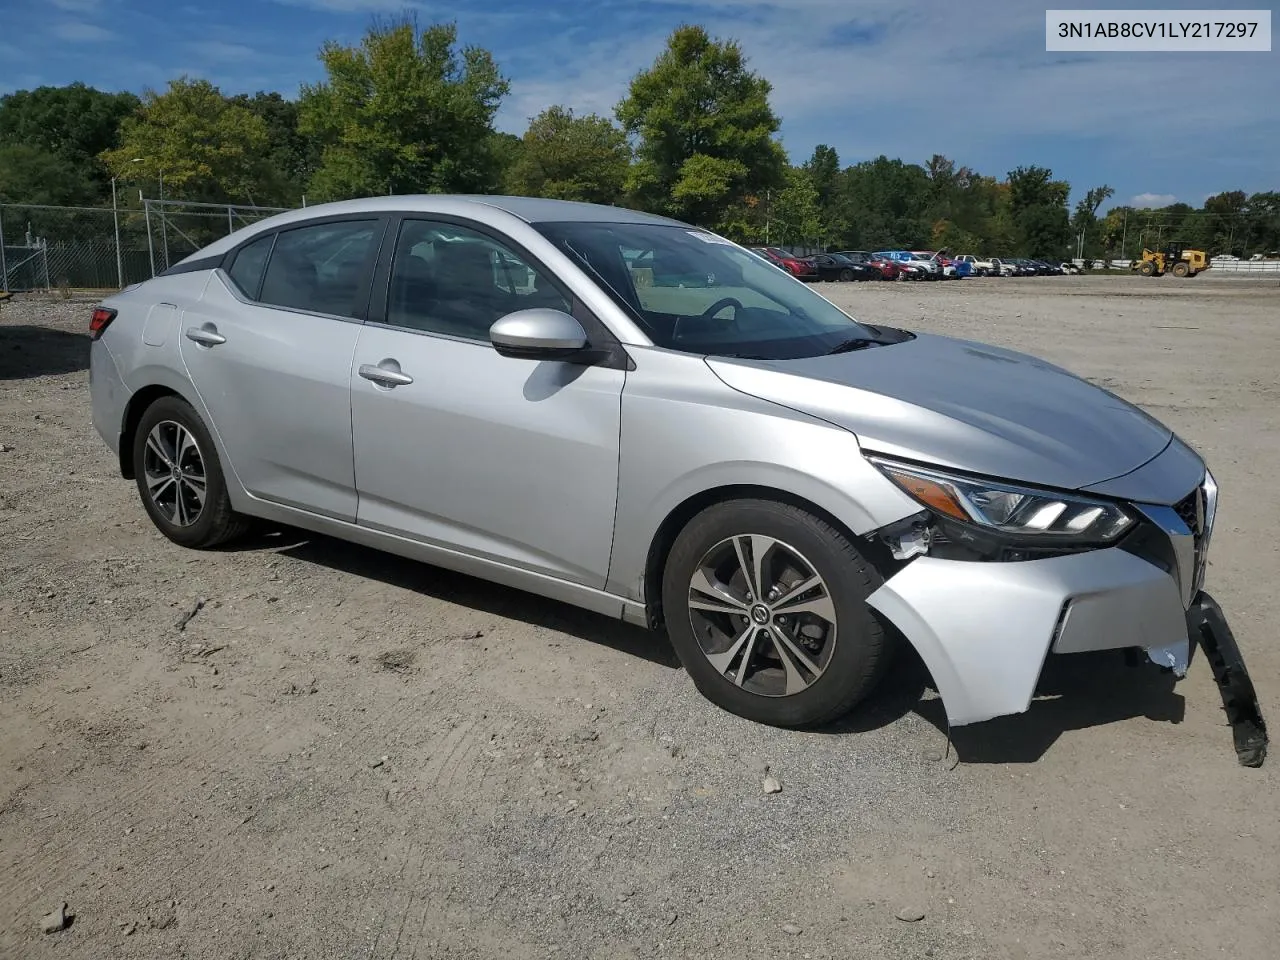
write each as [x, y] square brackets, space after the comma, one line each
[411, 110]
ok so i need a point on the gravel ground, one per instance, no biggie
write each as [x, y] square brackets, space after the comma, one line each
[342, 754]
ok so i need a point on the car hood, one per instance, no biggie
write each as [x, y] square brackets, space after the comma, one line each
[964, 405]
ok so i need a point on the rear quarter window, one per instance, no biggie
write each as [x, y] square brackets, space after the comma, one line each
[250, 264]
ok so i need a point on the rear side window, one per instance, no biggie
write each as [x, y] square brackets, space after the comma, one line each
[249, 265]
[321, 268]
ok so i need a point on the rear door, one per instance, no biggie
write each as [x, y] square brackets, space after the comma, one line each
[269, 350]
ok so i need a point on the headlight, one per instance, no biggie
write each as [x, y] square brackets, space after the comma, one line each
[1009, 509]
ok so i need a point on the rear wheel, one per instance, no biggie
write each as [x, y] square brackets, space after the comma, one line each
[846, 275]
[179, 478]
[1181, 269]
[766, 607]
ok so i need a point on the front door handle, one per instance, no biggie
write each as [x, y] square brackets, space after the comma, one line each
[207, 335]
[387, 376]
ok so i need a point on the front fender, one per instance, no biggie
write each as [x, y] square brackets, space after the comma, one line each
[727, 439]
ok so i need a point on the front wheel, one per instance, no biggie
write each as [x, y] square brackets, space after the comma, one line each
[766, 607]
[846, 275]
[179, 478]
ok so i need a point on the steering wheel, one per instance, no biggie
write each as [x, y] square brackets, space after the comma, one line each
[719, 305]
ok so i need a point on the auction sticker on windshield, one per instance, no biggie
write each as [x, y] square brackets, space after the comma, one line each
[709, 237]
[1169, 31]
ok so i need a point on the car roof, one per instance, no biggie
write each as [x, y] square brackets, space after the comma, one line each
[475, 206]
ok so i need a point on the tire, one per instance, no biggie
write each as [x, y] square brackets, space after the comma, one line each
[846, 275]
[1147, 269]
[842, 637]
[1181, 269]
[170, 425]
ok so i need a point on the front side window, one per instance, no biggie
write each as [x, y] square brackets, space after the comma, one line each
[695, 292]
[321, 268]
[456, 281]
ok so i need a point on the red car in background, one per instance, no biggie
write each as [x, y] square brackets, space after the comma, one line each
[801, 268]
[889, 269]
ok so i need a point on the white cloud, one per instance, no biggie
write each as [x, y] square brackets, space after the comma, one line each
[221, 51]
[925, 81]
[355, 6]
[78, 31]
[1144, 201]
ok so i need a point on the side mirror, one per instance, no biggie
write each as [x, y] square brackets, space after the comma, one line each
[538, 334]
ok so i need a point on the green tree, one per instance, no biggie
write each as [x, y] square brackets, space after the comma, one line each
[293, 156]
[796, 217]
[571, 158]
[1039, 207]
[206, 147]
[32, 174]
[1084, 223]
[75, 123]
[703, 130]
[404, 112]
[504, 152]
[885, 202]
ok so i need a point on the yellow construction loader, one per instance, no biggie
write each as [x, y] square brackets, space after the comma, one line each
[1174, 258]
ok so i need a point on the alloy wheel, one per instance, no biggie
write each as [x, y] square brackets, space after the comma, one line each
[762, 615]
[173, 466]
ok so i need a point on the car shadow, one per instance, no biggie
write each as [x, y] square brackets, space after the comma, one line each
[464, 590]
[1075, 692]
[29, 351]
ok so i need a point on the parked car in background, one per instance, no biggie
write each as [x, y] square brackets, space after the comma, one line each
[946, 269]
[787, 492]
[889, 269]
[1069, 266]
[980, 266]
[1022, 267]
[800, 267]
[958, 268]
[834, 266]
[928, 268]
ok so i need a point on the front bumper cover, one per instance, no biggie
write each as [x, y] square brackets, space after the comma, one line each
[984, 630]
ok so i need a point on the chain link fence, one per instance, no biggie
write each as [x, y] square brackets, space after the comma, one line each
[44, 247]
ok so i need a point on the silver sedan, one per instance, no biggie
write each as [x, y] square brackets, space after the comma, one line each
[641, 418]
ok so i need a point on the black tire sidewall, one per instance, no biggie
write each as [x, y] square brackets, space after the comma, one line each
[862, 647]
[216, 504]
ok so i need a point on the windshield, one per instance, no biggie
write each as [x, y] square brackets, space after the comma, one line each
[695, 292]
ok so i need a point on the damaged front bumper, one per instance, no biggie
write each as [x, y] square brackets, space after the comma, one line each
[985, 629]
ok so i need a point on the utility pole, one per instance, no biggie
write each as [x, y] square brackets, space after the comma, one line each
[1124, 234]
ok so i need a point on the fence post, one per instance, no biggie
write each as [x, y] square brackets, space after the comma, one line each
[44, 249]
[151, 247]
[231, 224]
[115, 218]
[4, 267]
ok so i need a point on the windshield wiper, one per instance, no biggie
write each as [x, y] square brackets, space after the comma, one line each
[856, 343]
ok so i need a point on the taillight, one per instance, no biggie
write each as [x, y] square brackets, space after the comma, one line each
[102, 316]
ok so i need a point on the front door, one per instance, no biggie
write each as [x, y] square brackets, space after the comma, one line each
[269, 350]
[507, 459]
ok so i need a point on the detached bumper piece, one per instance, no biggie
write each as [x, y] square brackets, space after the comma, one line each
[1208, 627]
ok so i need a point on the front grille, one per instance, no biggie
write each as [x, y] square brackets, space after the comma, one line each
[1191, 509]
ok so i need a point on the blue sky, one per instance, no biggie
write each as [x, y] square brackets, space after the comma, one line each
[907, 78]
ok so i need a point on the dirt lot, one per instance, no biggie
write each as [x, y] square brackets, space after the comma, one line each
[346, 755]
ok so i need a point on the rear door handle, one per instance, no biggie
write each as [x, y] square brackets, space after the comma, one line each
[388, 376]
[207, 335]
